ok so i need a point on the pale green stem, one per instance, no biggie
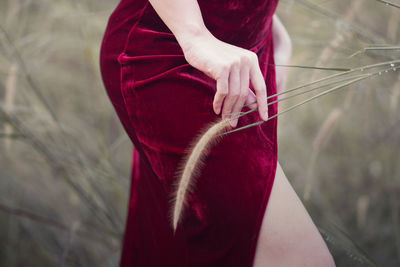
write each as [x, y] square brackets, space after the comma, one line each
[301, 93]
[335, 76]
[375, 48]
[389, 3]
[311, 67]
[302, 102]
[382, 48]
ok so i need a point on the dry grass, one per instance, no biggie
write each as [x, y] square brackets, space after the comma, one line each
[191, 166]
[65, 175]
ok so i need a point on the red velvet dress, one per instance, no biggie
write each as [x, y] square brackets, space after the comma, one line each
[163, 103]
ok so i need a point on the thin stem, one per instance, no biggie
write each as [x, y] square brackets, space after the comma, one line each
[310, 67]
[301, 93]
[29, 79]
[374, 48]
[392, 62]
[389, 3]
[302, 102]
[382, 48]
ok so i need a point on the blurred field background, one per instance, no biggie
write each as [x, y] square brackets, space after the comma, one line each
[65, 159]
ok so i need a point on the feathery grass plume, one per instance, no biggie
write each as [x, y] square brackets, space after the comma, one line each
[394, 100]
[393, 26]
[184, 178]
[189, 167]
[326, 129]
[339, 38]
[336, 236]
[363, 202]
[9, 101]
[323, 135]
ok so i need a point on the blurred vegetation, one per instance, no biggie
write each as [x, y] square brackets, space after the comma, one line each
[65, 159]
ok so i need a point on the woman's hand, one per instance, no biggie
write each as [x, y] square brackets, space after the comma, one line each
[233, 68]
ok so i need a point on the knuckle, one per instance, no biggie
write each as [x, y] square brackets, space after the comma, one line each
[222, 92]
[261, 89]
[221, 71]
[209, 70]
[244, 94]
[253, 56]
[235, 94]
[248, 58]
[225, 113]
[224, 69]
[236, 63]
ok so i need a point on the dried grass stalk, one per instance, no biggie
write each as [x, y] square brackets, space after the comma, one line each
[394, 100]
[190, 166]
[9, 99]
[323, 135]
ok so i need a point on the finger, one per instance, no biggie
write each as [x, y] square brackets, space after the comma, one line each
[233, 92]
[258, 83]
[251, 97]
[244, 91]
[222, 91]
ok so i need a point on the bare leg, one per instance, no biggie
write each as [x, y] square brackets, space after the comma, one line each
[288, 236]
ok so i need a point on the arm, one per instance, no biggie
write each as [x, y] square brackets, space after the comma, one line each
[282, 51]
[183, 18]
[232, 67]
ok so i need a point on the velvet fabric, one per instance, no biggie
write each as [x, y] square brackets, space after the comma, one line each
[163, 104]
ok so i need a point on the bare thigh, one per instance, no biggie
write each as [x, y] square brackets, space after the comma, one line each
[288, 236]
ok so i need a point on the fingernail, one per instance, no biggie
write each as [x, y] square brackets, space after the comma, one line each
[234, 123]
[266, 115]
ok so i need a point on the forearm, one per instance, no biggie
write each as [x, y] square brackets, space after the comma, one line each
[282, 42]
[182, 17]
[232, 67]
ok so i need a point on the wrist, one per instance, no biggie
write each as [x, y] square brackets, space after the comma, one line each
[188, 36]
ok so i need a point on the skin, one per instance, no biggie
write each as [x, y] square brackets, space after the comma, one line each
[232, 67]
[288, 236]
[282, 51]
